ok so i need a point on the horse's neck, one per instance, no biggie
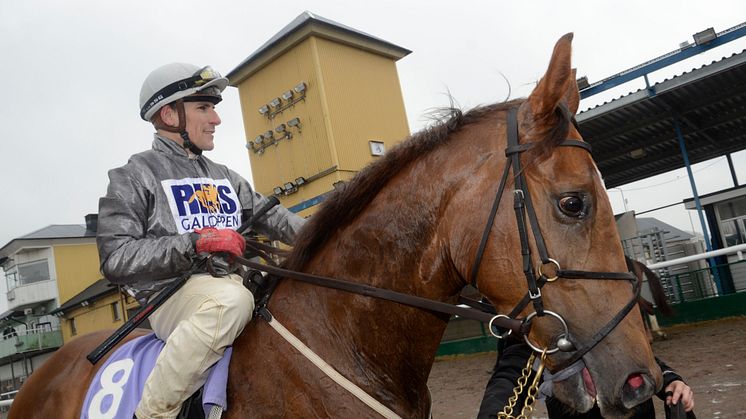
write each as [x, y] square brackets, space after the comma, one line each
[384, 346]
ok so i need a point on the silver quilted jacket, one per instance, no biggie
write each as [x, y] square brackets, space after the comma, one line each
[157, 199]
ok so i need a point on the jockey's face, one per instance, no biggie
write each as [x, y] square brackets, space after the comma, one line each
[201, 120]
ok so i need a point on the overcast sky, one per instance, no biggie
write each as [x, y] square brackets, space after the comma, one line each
[71, 74]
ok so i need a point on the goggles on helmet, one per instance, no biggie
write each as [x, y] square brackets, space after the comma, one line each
[200, 78]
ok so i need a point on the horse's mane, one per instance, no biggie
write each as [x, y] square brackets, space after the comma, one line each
[344, 204]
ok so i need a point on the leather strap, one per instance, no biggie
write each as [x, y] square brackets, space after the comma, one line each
[384, 294]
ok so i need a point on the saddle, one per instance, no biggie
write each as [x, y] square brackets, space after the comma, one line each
[117, 387]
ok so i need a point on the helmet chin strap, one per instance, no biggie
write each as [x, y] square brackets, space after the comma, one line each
[181, 129]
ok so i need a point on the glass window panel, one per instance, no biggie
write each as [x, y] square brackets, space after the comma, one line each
[33, 272]
[733, 232]
[733, 209]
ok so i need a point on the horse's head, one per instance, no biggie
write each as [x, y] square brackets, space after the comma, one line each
[566, 216]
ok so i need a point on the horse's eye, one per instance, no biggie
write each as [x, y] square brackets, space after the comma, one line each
[572, 206]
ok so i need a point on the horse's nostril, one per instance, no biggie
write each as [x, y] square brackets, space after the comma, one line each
[635, 381]
[637, 389]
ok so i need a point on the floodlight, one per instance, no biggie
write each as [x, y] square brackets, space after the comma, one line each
[268, 135]
[300, 87]
[300, 181]
[277, 190]
[287, 95]
[275, 103]
[583, 83]
[707, 35]
[294, 122]
[264, 109]
[280, 128]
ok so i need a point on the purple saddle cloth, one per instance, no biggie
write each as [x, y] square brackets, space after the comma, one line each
[117, 387]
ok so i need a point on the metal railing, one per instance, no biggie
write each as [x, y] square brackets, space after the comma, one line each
[700, 283]
[30, 340]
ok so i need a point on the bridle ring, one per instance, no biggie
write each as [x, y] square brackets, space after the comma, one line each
[549, 260]
[499, 336]
[556, 316]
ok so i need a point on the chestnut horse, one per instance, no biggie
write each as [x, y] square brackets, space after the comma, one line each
[413, 222]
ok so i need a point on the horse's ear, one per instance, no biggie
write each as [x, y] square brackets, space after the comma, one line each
[558, 83]
[572, 95]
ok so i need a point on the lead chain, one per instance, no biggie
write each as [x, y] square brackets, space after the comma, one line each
[507, 412]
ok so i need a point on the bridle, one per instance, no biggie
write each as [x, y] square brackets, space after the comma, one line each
[479, 311]
[536, 279]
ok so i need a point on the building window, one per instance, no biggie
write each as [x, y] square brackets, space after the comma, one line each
[73, 327]
[33, 272]
[116, 313]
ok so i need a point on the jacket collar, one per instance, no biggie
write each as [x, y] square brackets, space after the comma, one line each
[166, 145]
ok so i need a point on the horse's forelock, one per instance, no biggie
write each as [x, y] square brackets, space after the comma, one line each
[343, 205]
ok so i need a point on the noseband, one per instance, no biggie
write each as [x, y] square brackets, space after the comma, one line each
[536, 279]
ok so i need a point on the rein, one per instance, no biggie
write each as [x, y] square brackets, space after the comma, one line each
[482, 315]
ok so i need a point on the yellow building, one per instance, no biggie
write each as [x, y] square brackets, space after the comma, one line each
[98, 306]
[42, 269]
[320, 101]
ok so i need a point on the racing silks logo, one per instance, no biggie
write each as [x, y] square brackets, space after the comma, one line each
[207, 197]
[202, 202]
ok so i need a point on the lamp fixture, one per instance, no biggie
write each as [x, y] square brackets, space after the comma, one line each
[268, 135]
[583, 83]
[300, 87]
[275, 103]
[281, 128]
[258, 140]
[638, 153]
[287, 95]
[290, 187]
[707, 35]
[264, 109]
[300, 181]
[294, 122]
[278, 190]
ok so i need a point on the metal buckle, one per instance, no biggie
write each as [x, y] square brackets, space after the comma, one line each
[534, 296]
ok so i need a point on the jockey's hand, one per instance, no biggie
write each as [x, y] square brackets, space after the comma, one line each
[677, 392]
[212, 240]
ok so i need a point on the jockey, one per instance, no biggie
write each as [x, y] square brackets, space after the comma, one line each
[167, 208]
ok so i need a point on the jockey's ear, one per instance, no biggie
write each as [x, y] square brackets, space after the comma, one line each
[557, 84]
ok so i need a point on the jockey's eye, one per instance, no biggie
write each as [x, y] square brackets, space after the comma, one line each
[572, 206]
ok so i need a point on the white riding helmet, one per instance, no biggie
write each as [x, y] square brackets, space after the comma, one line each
[175, 81]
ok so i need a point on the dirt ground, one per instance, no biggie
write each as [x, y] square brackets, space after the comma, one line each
[711, 356]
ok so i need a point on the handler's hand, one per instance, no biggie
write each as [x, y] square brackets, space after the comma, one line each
[677, 392]
[212, 240]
